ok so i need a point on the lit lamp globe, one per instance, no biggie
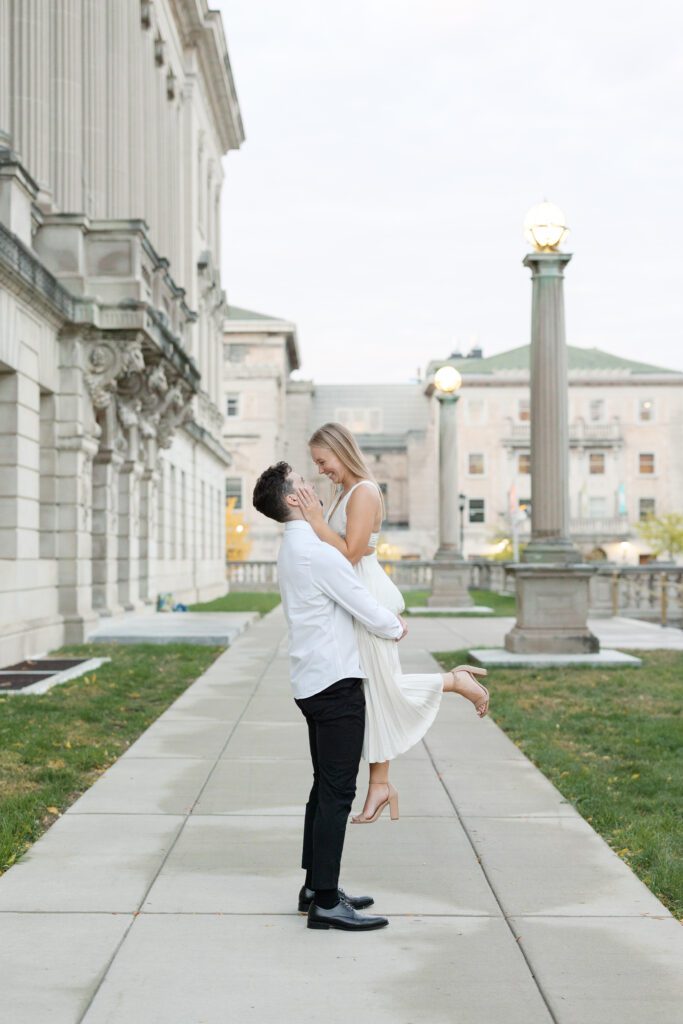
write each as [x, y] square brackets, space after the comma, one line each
[545, 227]
[447, 381]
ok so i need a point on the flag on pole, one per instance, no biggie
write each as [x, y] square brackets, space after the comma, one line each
[513, 504]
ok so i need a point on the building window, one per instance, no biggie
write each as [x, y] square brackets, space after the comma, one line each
[524, 463]
[477, 510]
[476, 464]
[232, 405]
[596, 410]
[524, 410]
[646, 507]
[183, 514]
[597, 508]
[233, 489]
[475, 410]
[646, 410]
[596, 463]
[646, 463]
[234, 353]
[361, 421]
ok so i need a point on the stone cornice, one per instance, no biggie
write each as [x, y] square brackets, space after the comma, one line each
[203, 28]
[267, 327]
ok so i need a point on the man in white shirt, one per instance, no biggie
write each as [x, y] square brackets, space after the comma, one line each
[321, 595]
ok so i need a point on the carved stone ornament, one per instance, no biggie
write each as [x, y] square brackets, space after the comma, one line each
[150, 396]
[177, 410]
[107, 361]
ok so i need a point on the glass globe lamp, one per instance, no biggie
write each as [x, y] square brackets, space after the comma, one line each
[545, 227]
[447, 380]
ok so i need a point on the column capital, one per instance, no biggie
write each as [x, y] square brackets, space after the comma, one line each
[446, 399]
[547, 264]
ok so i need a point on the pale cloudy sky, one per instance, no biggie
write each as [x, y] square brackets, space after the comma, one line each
[393, 149]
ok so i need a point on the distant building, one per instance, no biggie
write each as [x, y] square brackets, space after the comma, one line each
[113, 121]
[626, 422]
[395, 427]
[625, 426]
[259, 354]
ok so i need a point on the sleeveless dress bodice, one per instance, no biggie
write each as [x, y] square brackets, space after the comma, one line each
[337, 520]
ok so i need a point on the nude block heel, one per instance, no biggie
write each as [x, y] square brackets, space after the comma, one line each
[391, 802]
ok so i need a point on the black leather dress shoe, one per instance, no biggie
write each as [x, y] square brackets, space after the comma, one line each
[344, 917]
[306, 898]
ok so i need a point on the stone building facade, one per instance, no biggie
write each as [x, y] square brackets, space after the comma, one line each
[626, 421]
[113, 121]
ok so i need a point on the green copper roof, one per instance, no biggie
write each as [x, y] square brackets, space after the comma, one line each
[578, 359]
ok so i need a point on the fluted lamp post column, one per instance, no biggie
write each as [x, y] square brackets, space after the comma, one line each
[551, 582]
[450, 573]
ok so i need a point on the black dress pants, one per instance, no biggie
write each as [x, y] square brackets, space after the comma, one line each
[336, 725]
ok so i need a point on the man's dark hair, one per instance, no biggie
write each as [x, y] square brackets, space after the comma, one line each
[270, 491]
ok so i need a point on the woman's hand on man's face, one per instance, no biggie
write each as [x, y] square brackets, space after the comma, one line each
[310, 504]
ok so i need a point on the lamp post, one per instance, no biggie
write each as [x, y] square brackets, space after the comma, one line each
[450, 575]
[552, 588]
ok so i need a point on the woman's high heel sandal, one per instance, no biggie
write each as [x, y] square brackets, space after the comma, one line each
[481, 706]
[391, 801]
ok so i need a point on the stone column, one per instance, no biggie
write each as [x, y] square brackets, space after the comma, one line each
[136, 142]
[66, 120]
[5, 77]
[106, 468]
[118, 111]
[149, 483]
[94, 108]
[552, 588]
[76, 447]
[450, 575]
[129, 518]
[549, 413]
[30, 91]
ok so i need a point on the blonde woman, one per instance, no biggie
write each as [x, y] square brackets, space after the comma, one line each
[399, 708]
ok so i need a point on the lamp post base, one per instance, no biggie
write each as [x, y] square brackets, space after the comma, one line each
[552, 610]
[450, 582]
[551, 552]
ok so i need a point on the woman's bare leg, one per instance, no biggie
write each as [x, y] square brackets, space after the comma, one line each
[378, 788]
[466, 685]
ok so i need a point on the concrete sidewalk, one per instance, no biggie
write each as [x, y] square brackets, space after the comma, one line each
[167, 893]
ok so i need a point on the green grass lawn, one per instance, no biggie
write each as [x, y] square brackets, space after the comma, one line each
[502, 604]
[611, 740]
[239, 601]
[54, 746]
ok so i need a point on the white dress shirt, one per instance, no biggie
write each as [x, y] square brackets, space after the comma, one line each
[321, 595]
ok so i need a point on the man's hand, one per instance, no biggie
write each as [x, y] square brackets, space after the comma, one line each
[405, 628]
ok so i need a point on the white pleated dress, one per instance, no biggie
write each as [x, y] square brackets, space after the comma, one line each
[399, 708]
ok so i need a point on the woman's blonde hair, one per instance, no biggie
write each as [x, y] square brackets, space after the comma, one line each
[340, 441]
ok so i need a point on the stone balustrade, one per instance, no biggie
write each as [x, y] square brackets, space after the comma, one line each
[408, 574]
[651, 592]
